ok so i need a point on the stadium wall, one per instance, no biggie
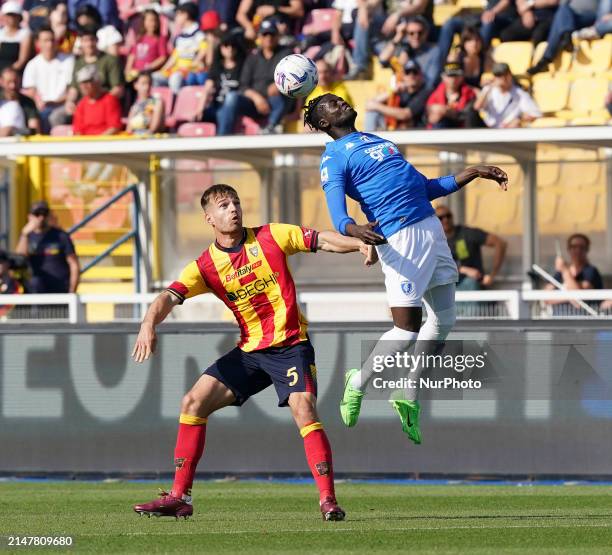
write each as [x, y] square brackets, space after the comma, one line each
[71, 401]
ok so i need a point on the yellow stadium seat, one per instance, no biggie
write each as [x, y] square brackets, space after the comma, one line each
[443, 12]
[473, 4]
[361, 92]
[551, 93]
[548, 122]
[592, 57]
[588, 94]
[589, 120]
[516, 54]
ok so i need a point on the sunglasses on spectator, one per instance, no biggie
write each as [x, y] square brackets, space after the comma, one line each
[412, 72]
[39, 213]
[445, 217]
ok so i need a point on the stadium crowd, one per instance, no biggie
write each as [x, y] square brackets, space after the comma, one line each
[109, 66]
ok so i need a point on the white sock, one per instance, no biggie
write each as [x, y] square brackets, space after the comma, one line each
[393, 341]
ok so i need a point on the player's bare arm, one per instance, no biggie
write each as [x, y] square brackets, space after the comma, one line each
[485, 172]
[157, 313]
[332, 241]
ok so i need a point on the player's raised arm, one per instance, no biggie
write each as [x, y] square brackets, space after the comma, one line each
[157, 313]
[443, 186]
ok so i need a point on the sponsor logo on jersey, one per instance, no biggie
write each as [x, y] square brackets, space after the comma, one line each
[324, 175]
[253, 288]
[349, 146]
[379, 152]
[244, 270]
[365, 138]
[407, 287]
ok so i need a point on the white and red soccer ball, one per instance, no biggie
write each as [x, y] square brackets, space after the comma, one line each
[296, 76]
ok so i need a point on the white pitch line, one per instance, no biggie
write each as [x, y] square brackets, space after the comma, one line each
[319, 530]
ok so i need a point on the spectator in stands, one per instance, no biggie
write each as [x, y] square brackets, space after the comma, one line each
[106, 8]
[410, 43]
[108, 70]
[64, 36]
[16, 105]
[227, 10]
[451, 104]
[36, 13]
[186, 65]
[466, 245]
[258, 97]
[150, 51]
[15, 40]
[47, 76]
[497, 15]
[603, 24]
[327, 84]
[570, 16]
[251, 13]
[54, 264]
[402, 108]
[533, 22]
[147, 113]
[503, 103]
[223, 78]
[472, 57]
[578, 274]
[403, 9]
[8, 284]
[98, 112]
[354, 20]
[108, 37]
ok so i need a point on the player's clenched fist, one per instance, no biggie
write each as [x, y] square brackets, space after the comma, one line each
[145, 343]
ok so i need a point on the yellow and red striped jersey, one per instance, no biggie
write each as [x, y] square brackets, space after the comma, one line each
[254, 281]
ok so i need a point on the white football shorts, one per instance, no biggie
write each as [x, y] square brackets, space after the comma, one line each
[415, 259]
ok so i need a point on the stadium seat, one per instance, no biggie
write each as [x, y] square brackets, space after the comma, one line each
[185, 105]
[548, 122]
[62, 131]
[248, 126]
[443, 12]
[165, 93]
[551, 93]
[319, 21]
[589, 120]
[197, 130]
[592, 57]
[516, 54]
[588, 94]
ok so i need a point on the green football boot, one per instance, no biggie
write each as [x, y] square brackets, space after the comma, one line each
[409, 412]
[351, 400]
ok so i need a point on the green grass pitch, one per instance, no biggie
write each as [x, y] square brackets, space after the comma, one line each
[258, 517]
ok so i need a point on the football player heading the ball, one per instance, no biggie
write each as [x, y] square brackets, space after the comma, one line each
[411, 244]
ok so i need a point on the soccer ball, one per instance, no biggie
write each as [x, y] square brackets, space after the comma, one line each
[296, 76]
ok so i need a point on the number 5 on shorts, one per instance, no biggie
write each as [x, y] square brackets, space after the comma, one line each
[292, 373]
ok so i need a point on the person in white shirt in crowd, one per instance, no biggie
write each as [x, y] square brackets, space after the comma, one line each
[12, 116]
[15, 40]
[16, 104]
[503, 103]
[47, 76]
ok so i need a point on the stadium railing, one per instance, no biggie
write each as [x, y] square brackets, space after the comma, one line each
[318, 307]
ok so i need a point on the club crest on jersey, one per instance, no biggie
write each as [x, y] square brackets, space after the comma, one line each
[407, 287]
[254, 250]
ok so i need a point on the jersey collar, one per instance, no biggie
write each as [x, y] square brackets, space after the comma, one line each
[238, 247]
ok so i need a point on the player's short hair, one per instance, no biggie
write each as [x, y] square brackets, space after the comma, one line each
[311, 112]
[218, 190]
[579, 236]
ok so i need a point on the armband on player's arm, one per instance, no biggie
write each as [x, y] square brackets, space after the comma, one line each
[441, 186]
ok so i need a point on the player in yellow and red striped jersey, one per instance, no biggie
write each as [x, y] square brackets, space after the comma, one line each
[247, 269]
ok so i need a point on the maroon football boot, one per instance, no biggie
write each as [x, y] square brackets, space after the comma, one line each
[330, 509]
[166, 505]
